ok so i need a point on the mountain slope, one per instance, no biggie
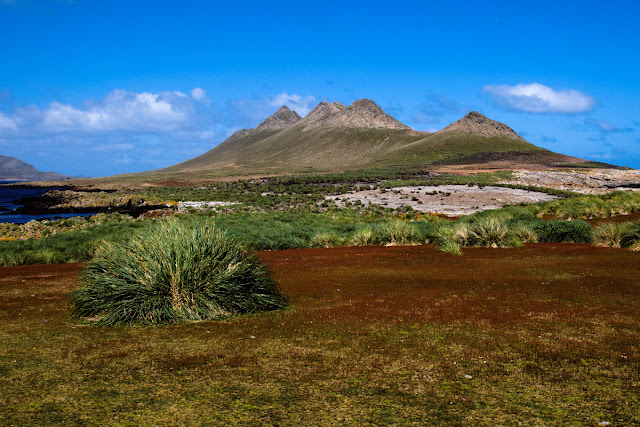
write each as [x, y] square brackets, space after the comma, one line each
[474, 139]
[13, 169]
[334, 136]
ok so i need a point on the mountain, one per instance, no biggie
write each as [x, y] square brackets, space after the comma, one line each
[283, 118]
[477, 124]
[12, 169]
[334, 136]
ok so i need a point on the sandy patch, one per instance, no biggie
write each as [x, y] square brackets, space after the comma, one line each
[450, 200]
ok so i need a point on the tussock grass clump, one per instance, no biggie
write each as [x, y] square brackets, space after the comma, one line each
[458, 232]
[488, 232]
[461, 233]
[630, 238]
[525, 232]
[398, 233]
[325, 240]
[362, 237]
[449, 246]
[174, 271]
[608, 235]
[491, 232]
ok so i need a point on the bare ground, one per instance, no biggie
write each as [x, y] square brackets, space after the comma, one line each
[595, 181]
[449, 200]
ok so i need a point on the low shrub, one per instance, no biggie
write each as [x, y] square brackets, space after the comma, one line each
[174, 271]
[556, 231]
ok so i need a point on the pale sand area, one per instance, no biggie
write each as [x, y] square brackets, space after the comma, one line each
[450, 200]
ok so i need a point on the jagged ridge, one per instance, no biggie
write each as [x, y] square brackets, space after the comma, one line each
[362, 113]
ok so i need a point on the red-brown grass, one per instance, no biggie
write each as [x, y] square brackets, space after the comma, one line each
[545, 334]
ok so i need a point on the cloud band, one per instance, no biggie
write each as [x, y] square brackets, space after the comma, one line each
[538, 98]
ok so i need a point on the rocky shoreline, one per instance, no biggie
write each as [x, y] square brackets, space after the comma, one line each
[70, 201]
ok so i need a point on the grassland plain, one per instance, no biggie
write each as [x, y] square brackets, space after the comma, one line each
[544, 334]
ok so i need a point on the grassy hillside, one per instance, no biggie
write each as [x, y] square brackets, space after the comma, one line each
[322, 149]
[453, 147]
[361, 136]
[224, 154]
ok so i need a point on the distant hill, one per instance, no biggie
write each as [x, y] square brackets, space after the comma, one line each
[333, 136]
[12, 169]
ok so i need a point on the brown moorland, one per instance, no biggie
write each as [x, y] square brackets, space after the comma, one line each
[545, 334]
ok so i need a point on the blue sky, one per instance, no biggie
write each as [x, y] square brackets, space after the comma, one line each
[95, 88]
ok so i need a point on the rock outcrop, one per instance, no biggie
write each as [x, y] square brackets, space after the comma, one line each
[362, 113]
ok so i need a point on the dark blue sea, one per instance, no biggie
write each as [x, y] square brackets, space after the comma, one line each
[8, 196]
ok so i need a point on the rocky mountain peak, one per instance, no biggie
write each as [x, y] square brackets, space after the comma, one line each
[281, 119]
[362, 113]
[320, 115]
[365, 104]
[477, 124]
[326, 109]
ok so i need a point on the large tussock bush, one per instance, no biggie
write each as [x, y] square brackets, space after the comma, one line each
[173, 272]
[557, 231]
[398, 233]
[492, 233]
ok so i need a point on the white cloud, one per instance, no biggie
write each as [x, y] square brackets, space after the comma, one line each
[538, 98]
[199, 94]
[98, 136]
[7, 122]
[121, 110]
[118, 111]
[300, 104]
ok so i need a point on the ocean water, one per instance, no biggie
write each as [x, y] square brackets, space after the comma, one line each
[8, 196]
